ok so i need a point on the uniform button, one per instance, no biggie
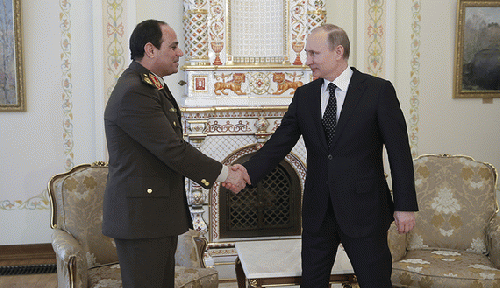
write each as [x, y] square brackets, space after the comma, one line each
[175, 124]
[330, 157]
[150, 191]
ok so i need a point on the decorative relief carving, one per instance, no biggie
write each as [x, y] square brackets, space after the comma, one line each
[233, 85]
[298, 28]
[216, 29]
[375, 50]
[196, 31]
[316, 14]
[229, 127]
[284, 84]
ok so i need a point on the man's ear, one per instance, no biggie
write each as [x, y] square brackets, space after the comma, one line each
[339, 51]
[149, 50]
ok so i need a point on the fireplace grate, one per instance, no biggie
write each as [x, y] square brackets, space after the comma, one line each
[269, 208]
[31, 269]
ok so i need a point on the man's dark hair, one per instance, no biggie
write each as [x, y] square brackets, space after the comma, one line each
[144, 32]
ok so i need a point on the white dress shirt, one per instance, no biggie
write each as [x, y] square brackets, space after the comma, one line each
[342, 83]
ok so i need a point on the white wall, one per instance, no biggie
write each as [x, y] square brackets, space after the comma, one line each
[453, 126]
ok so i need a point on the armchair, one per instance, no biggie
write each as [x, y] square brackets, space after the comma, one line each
[87, 258]
[456, 240]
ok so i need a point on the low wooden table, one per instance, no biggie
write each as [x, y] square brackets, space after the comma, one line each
[277, 262]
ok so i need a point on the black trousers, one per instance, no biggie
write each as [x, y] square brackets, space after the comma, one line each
[370, 257]
[147, 262]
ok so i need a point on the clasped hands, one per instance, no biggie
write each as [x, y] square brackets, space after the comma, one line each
[237, 178]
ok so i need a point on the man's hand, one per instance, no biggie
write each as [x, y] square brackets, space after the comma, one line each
[237, 178]
[404, 220]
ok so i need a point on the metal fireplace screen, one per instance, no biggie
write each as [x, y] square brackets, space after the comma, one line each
[270, 208]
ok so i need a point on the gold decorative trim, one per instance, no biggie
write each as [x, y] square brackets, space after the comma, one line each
[253, 66]
[283, 108]
[317, 12]
[458, 80]
[197, 11]
[20, 106]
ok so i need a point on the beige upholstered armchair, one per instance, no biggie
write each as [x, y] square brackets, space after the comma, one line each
[456, 240]
[87, 258]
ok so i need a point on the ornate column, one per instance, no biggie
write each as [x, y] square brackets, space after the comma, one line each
[195, 194]
[316, 14]
[196, 31]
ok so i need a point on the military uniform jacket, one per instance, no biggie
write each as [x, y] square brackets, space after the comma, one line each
[148, 160]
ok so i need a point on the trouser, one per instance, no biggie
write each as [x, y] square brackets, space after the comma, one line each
[147, 262]
[370, 256]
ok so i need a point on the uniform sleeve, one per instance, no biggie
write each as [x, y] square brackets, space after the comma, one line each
[141, 116]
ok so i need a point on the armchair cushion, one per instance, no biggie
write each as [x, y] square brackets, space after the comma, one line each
[109, 277]
[445, 268]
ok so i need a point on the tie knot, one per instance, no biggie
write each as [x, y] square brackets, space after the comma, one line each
[331, 88]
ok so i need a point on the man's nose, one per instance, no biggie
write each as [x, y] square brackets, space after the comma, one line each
[309, 60]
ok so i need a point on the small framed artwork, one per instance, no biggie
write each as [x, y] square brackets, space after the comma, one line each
[477, 51]
[200, 83]
[12, 97]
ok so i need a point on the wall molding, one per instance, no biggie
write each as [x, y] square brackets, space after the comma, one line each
[67, 105]
[27, 252]
[38, 202]
[415, 78]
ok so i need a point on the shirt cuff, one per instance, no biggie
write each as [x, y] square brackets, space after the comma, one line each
[223, 174]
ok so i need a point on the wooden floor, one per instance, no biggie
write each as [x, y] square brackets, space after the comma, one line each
[46, 280]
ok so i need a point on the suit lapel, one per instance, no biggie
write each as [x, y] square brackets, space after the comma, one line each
[315, 102]
[354, 93]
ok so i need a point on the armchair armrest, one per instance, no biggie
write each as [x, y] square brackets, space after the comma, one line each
[397, 243]
[190, 250]
[70, 260]
[493, 240]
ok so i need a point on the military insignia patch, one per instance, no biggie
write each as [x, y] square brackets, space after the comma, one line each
[152, 80]
[156, 82]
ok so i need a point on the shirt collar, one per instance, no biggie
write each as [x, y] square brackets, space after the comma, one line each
[342, 81]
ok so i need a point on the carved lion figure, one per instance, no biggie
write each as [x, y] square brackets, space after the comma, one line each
[284, 85]
[233, 85]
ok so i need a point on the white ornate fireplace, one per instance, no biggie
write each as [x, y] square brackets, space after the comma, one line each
[244, 61]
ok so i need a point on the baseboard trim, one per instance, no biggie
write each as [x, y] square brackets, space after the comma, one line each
[27, 252]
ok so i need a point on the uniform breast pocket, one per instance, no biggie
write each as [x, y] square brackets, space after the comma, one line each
[147, 187]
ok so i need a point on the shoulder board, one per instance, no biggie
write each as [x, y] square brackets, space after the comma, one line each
[152, 80]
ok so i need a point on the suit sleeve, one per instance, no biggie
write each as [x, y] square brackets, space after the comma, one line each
[141, 116]
[394, 132]
[277, 147]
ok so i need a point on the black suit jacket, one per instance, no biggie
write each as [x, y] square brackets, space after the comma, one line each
[148, 160]
[351, 172]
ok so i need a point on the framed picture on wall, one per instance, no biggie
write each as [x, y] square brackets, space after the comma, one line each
[12, 97]
[477, 51]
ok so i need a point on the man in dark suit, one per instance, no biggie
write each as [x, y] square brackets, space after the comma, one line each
[346, 197]
[145, 205]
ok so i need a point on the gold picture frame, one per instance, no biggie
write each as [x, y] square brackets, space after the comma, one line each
[12, 96]
[477, 51]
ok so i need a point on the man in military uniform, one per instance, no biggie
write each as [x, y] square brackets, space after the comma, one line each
[145, 205]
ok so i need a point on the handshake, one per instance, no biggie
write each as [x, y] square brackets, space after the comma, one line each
[237, 178]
